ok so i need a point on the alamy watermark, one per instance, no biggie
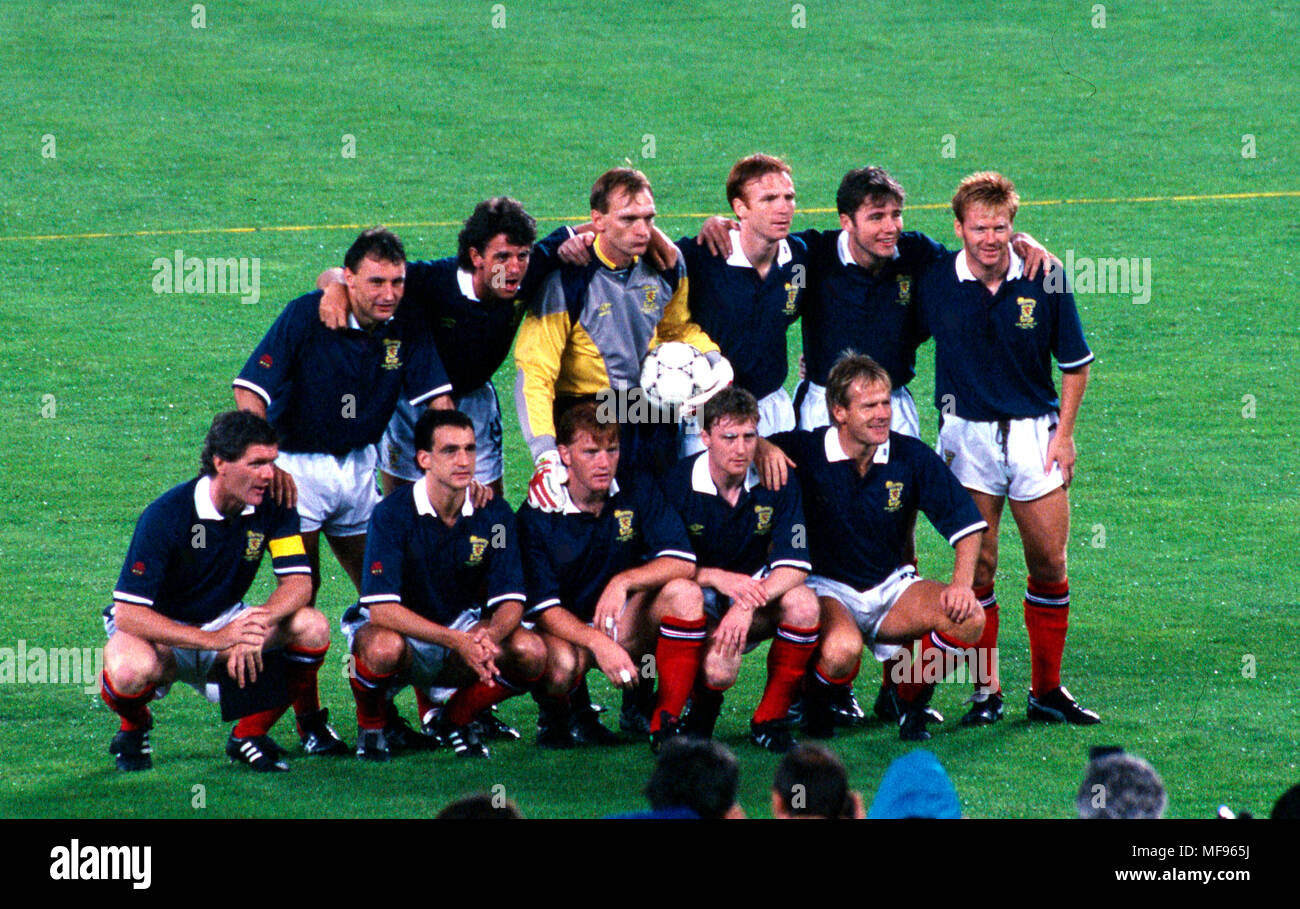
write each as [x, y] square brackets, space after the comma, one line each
[633, 405]
[182, 274]
[23, 665]
[1106, 275]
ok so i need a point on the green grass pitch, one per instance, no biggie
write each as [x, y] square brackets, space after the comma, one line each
[127, 122]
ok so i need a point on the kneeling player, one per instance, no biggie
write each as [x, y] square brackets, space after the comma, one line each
[609, 583]
[863, 486]
[423, 617]
[178, 611]
[750, 545]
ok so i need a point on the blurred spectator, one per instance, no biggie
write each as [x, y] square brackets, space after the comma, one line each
[915, 785]
[693, 778]
[481, 806]
[811, 782]
[1121, 785]
[1287, 806]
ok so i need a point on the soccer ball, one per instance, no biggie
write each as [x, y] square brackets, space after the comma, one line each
[673, 372]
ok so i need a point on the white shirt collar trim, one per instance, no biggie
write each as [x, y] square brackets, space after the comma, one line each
[1015, 270]
[203, 505]
[835, 451]
[702, 480]
[425, 507]
[570, 508]
[739, 259]
[465, 280]
[846, 257]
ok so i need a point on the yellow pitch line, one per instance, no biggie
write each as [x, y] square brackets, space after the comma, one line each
[926, 206]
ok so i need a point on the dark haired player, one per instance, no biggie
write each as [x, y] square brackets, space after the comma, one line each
[1004, 432]
[178, 612]
[472, 304]
[862, 486]
[608, 584]
[751, 551]
[441, 598]
[330, 394]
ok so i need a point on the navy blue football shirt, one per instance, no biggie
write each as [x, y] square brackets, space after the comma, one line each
[474, 336]
[332, 392]
[763, 528]
[859, 526]
[190, 563]
[747, 316]
[570, 556]
[437, 571]
[993, 352]
[847, 307]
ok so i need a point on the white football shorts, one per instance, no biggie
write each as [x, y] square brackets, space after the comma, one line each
[193, 666]
[1001, 459]
[334, 494]
[869, 607]
[427, 659]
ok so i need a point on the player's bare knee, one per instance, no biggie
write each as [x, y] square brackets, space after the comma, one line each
[720, 672]
[799, 607]
[526, 652]
[381, 650]
[969, 631]
[839, 651]
[684, 599]
[562, 665]
[310, 628]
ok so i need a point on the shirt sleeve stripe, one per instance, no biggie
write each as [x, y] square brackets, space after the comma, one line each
[544, 604]
[676, 554]
[381, 598]
[506, 596]
[293, 569]
[131, 598]
[1077, 363]
[967, 531]
[440, 390]
[793, 563]
[256, 389]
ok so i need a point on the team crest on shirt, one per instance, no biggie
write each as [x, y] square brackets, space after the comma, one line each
[895, 491]
[477, 546]
[695, 530]
[904, 290]
[648, 304]
[948, 457]
[791, 298]
[604, 309]
[764, 515]
[253, 549]
[623, 517]
[137, 568]
[391, 360]
[1026, 305]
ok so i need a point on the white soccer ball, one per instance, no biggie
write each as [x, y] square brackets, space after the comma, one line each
[673, 372]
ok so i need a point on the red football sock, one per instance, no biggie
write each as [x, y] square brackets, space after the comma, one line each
[938, 652]
[259, 723]
[1047, 616]
[303, 665]
[985, 653]
[677, 660]
[133, 709]
[423, 703]
[470, 701]
[369, 690]
[787, 661]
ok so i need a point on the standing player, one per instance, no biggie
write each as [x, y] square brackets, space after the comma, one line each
[472, 304]
[747, 300]
[442, 597]
[1003, 431]
[330, 394]
[178, 612]
[750, 547]
[608, 584]
[591, 328]
[862, 485]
